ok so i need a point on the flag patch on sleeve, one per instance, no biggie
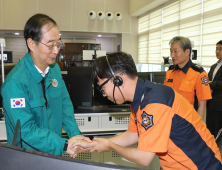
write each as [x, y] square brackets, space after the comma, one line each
[17, 103]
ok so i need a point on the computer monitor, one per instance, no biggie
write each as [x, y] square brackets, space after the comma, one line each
[99, 99]
[159, 77]
[78, 81]
[144, 75]
[7, 68]
[7, 56]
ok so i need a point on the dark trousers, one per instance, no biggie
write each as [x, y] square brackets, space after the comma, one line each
[214, 121]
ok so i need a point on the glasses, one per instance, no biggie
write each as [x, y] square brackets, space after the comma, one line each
[59, 45]
[100, 87]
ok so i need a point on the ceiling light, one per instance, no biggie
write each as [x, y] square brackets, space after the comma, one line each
[99, 35]
[16, 33]
[60, 34]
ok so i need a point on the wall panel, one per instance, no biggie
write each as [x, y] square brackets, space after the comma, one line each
[15, 13]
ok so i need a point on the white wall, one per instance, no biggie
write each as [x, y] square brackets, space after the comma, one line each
[136, 5]
[107, 44]
[72, 15]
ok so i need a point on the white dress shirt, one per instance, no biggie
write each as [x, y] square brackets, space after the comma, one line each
[216, 69]
[43, 73]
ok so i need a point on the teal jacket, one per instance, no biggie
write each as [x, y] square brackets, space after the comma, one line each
[41, 126]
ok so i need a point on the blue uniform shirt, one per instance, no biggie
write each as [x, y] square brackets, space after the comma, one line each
[41, 126]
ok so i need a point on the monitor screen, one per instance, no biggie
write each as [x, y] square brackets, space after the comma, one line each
[7, 68]
[144, 75]
[7, 56]
[99, 99]
[159, 77]
[79, 85]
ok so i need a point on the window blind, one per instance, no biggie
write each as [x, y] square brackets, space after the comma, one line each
[149, 46]
[199, 20]
[171, 17]
[212, 30]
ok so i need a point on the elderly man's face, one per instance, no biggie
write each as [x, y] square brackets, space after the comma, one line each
[179, 57]
[42, 54]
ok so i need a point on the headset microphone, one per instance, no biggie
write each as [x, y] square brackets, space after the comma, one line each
[117, 81]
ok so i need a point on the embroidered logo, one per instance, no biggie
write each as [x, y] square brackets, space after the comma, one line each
[54, 83]
[147, 120]
[205, 80]
[17, 103]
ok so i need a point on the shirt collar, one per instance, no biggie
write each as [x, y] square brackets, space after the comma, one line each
[41, 72]
[219, 62]
[185, 68]
[32, 69]
[140, 90]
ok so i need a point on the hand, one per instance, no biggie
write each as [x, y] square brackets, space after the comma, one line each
[84, 145]
[211, 91]
[103, 145]
[77, 138]
[73, 151]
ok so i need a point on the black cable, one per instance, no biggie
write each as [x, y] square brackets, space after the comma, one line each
[122, 95]
[113, 94]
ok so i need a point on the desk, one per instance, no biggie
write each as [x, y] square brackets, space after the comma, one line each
[100, 123]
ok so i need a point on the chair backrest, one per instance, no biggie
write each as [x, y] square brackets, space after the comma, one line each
[17, 140]
[219, 140]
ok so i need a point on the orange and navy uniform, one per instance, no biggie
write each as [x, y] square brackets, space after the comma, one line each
[169, 126]
[191, 82]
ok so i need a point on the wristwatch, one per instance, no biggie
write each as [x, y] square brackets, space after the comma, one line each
[65, 145]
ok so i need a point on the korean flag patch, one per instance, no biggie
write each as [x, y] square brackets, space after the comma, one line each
[147, 120]
[17, 103]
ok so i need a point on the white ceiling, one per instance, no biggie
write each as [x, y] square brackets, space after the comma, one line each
[5, 34]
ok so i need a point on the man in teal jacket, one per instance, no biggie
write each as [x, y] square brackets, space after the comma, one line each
[35, 93]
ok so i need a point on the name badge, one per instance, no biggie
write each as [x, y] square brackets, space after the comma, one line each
[170, 80]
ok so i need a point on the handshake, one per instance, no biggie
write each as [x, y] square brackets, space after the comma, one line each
[79, 144]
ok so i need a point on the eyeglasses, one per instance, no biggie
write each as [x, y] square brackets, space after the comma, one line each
[100, 87]
[59, 45]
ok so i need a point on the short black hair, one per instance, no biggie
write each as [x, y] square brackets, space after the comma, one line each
[33, 27]
[184, 42]
[120, 62]
[219, 42]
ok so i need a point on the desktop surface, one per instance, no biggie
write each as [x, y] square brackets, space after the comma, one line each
[15, 158]
[102, 109]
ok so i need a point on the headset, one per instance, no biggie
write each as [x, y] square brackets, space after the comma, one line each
[117, 80]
